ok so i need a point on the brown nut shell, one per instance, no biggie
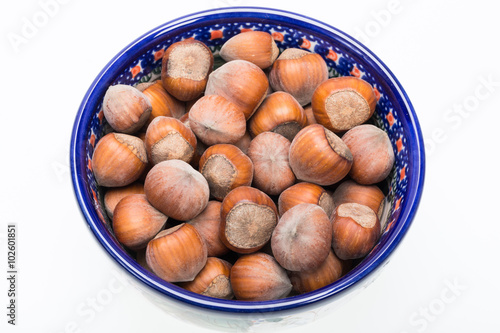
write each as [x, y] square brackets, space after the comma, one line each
[279, 113]
[125, 108]
[248, 218]
[305, 192]
[259, 277]
[269, 154]
[368, 195]
[177, 254]
[328, 272]
[207, 223]
[136, 222]
[341, 103]
[225, 167]
[118, 160]
[215, 120]
[186, 66]
[212, 280]
[373, 156]
[298, 72]
[115, 194]
[356, 229]
[303, 237]
[168, 138]
[258, 47]
[176, 189]
[240, 82]
[319, 156]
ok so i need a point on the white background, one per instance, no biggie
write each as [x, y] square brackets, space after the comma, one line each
[441, 51]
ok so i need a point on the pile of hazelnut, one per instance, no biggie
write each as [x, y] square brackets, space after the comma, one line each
[234, 182]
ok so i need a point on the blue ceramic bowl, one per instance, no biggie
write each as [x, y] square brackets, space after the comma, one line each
[140, 62]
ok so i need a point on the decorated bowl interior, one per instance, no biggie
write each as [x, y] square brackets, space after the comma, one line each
[141, 62]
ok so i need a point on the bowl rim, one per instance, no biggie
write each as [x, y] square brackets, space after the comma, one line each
[367, 267]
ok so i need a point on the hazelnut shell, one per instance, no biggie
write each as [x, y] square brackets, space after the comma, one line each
[279, 113]
[341, 103]
[168, 138]
[303, 237]
[259, 277]
[125, 108]
[225, 168]
[298, 72]
[212, 280]
[118, 160]
[240, 82]
[186, 66]
[136, 222]
[176, 189]
[258, 47]
[177, 254]
[356, 229]
[373, 156]
[319, 156]
[248, 218]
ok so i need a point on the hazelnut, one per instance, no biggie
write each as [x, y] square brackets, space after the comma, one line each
[298, 72]
[168, 138]
[269, 154]
[115, 194]
[163, 104]
[368, 195]
[176, 189]
[225, 167]
[118, 160]
[240, 82]
[373, 157]
[248, 218]
[328, 272]
[185, 69]
[212, 280]
[319, 156]
[279, 113]
[258, 277]
[125, 108]
[341, 103]
[215, 120]
[136, 222]
[177, 254]
[258, 47]
[305, 193]
[303, 237]
[356, 229]
[207, 224]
